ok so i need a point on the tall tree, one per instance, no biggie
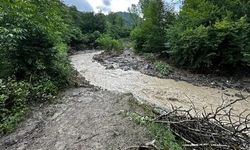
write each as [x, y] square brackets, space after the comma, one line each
[134, 14]
[157, 14]
[209, 34]
[30, 39]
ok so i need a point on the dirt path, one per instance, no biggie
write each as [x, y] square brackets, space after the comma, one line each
[83, 119]
[89, 119]
[161, 92]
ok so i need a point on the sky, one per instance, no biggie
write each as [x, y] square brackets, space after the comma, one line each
[104, 5]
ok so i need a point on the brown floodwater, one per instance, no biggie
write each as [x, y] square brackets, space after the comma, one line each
[161, 92]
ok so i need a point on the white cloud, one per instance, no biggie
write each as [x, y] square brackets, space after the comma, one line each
[106, 5]
[82, 5]
[115, 5]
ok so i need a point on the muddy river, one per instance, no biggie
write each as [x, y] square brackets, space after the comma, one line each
[160, 92]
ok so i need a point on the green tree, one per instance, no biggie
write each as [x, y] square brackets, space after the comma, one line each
[116, 26]
[210, 34]
[30, 42]
[157, 14]
[134, 14]
[72, 36]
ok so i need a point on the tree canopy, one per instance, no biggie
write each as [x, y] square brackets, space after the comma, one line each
[202, 36]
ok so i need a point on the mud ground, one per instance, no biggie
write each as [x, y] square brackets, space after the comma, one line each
[81, 119]
[127, 60]
[87, 118]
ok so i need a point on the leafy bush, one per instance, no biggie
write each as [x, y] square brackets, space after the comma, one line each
[163, 136]
[164, 69]
[107, 43]
[16, 98]
[13, 104]
[30, 42]
[33, 54]
[224, 44]
[217, 38]
[139, 40]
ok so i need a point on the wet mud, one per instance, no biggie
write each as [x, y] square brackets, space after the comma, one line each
[158, 91]
[82, 119]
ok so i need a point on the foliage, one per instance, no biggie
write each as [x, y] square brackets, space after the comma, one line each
[164, 69]
[149, 36]
[211, 34]
[33, 54]
[31, 43]
[163, 136]
[107, 43]
[91, 22]
[85, 27]
[16, 98]
[13, 104]
[134, 14]
[116, 26]
[125, 15]
[139, 39]
[90, 39]
[159, 132]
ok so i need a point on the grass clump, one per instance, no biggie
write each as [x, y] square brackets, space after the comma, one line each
[163, 68]
[157, 131]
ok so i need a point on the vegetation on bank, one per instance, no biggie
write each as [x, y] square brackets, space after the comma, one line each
[35, 37]
[203, 36]
[161, 133]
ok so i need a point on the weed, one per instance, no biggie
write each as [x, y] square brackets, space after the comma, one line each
[17, 97]
[160, 132]
[164, 69]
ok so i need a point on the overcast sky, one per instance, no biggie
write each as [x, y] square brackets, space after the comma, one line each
[104, 5]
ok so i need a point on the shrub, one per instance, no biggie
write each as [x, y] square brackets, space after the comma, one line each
[139, 40]
[17, 96]
[217, 39]
[13, 104]
[107, 43]
[224, 44]
[164, 69]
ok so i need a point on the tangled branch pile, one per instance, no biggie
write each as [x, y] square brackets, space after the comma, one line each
[219, 129]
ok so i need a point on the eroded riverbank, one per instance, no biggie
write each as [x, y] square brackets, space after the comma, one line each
[161, 92]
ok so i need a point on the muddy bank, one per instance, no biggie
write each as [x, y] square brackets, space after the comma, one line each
[158, 91]
[127, 60]
[82, 119]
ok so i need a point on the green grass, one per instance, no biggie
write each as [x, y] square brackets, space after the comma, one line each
[157, 131]
[163, 68]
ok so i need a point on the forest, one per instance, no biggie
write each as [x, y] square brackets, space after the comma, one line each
[36, 37]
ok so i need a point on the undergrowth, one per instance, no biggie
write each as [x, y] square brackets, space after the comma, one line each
[17, 97]
[157, 131]
[163, 68]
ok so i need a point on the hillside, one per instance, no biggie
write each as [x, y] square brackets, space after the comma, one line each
[125, 15]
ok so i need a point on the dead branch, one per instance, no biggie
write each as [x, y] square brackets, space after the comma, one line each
[220, 129]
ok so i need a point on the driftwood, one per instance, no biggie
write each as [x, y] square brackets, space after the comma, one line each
[219, 129]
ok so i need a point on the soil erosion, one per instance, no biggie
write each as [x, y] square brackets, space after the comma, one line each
[89, 118]
[157, 91]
